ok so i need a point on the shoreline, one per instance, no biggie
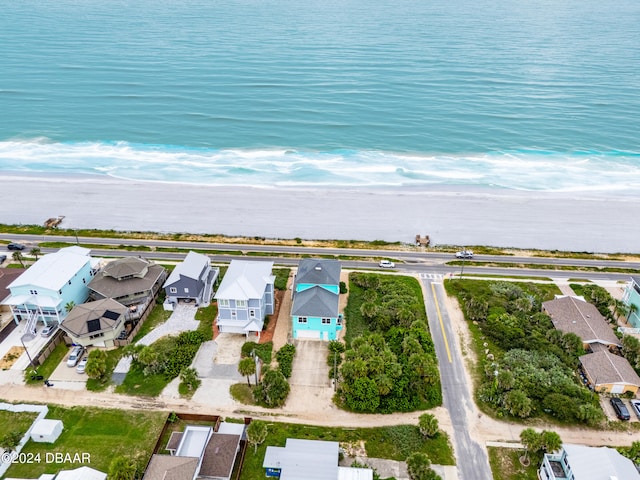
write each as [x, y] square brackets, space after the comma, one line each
[452, 215]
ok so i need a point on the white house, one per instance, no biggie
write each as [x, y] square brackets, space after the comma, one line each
[577, 462]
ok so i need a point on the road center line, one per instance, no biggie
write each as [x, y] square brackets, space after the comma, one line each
[444, 334]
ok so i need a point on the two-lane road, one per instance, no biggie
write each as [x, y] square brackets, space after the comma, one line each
[473, 461]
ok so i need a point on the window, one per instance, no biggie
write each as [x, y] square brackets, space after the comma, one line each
[326, 321]
[339, 320]
[33, 292]
[233, 314]
[302, 319]
[241, 303]
[173, 290]
[252, 313]
[186, 290]
[223, 302]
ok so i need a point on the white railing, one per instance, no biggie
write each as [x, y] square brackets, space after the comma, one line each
[31, 323]
[629, 331]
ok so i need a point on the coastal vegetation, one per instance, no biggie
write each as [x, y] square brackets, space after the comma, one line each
[389, 363]
[526, 367]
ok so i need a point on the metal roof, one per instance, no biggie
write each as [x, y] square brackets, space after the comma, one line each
[599, 463]
[192, 267]
[245, 280]
[54, 270]
[304, 459]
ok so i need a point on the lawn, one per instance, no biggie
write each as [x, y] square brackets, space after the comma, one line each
[101, 433]
[506, 466]
[394, 443]
[15, 422]
[49, 365]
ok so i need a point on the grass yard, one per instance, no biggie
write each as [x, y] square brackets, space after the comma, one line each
[113, 357]
[505, 465]
[101, 433]
[49, 365]
[394, 443]
[15, 422]
[136, 383]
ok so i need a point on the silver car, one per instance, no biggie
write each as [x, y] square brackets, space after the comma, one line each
[75, 356]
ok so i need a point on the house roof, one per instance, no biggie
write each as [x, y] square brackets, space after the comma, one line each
[318, 272]
[315, 302]
[93, 317]
[605, 368]
[572, 315]
[126, 267]
[599, 463]
[8, 275]
[308, 459]
[109, 286]
[45, 426]
[169, 467]
[174, 441]
[81, 473]
[191, 267]
[220, 455]
[245, 280]
[53, 270]
[29, 299]
[635, 279]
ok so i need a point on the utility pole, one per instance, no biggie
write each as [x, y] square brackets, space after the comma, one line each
[464, 258]
[335, 374]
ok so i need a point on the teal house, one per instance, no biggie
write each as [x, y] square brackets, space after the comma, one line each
[316, 293]
[631, 299]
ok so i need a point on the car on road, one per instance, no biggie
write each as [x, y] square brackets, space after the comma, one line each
[48, 330]
[82, 365]
[620, 408]
[386, 264]
[15, 246]
[75, 356]
[464, 254]
[2, 259]
[635, 406]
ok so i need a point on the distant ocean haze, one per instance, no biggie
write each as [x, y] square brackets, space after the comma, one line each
[541, 96]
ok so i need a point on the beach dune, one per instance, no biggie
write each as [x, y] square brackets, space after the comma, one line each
[450, 215]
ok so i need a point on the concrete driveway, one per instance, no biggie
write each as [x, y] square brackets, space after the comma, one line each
[310, 367]
[218, 359]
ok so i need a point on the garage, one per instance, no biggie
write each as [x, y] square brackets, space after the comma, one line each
[309, 334]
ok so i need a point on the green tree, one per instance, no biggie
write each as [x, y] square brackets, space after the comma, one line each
[96, 366]
[428, 425]
[36, 252]
[69, 306]
[518, 403]
[150, 359]
[273, 390]
[122, 468]
[550, 441]
[362, 395]
[256, 433]
[419, 467]
[18, 257]
[189, 377]
[10, 440]
[530, 439]
[590, 414]
[246, 368]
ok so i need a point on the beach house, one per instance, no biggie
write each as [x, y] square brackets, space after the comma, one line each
[191, 281]
[577, 462]
[245, 297]
[51, 286]
[96, 323]
[571, 314]
[631, 299]
[609, 373]
[312, 459]
[316, 292]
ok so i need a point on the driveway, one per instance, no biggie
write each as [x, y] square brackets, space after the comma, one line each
[310, 367]
[218, 359]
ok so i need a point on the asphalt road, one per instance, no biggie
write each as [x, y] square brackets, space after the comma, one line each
[456, 393]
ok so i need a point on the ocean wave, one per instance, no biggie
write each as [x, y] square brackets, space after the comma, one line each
[526, 169]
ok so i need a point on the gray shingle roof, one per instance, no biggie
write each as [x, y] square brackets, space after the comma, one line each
[168, 467]
[77, 323]
[318, 272]
[572, 315]
[604, 368]
[315, 302]
[108, 286]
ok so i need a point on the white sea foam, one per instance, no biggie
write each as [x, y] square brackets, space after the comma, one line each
[524, 170]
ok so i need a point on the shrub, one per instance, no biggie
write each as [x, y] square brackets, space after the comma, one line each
[273, 390]
[285, 359]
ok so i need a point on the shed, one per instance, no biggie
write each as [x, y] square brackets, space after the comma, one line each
[46, 430]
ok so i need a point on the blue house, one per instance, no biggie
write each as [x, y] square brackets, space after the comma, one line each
[631, 299]
[44, 290]
[245, 297]
[316, 293]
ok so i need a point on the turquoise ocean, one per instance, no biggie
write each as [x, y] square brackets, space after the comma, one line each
[534, 95]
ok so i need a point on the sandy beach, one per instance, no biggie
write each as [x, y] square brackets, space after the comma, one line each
[463, 216]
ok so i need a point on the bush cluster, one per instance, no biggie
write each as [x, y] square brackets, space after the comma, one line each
[285, 359]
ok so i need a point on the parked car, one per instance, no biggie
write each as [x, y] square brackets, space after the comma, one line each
[635, 405]
[48, 330]
[620, 408]
[75, 356]
[386, 264]
[15, 246]
[464, 254]
[2, 258]
[82, 365]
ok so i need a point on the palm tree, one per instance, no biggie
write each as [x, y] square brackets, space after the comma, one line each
[531, 441]
[247, 367]
[17, 256]
[428, 425]
[36, 252]
[69, 306]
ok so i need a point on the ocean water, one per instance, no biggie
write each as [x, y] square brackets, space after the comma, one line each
[528, 95]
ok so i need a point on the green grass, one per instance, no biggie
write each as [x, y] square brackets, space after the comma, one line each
[381, 442]
[113, 356]
[15, 422]
[49, 365]
[539, 266]
[242, 393]
[136, 383]
[101, 433]
[497, 277]
[206, 316]
[505, 465]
